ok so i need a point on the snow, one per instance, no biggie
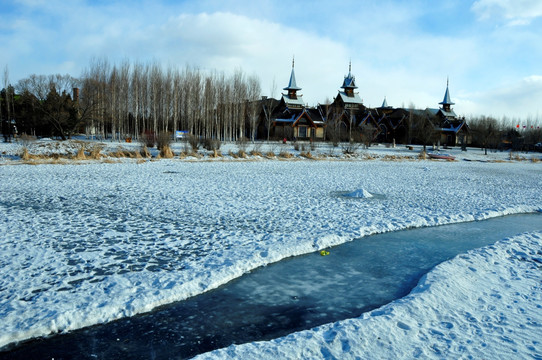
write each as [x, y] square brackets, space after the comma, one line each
[87, 242]
[360, 193]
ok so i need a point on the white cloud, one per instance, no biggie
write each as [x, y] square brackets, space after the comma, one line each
[226, 41]
[518, 99]
[396, 55]
[516, 12]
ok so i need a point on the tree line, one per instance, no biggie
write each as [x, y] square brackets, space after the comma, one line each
[131, 100]
[134, 100]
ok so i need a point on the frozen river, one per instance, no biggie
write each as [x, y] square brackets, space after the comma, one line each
[291, 295]
[91, 243]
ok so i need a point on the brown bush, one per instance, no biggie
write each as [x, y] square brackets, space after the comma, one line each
[422, 155]
[285, 155]
[145, 152]
[166, 152]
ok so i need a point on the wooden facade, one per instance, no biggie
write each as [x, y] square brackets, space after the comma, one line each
[348, 119]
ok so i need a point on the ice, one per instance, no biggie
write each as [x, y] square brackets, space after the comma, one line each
[482, 305]
[88, 243]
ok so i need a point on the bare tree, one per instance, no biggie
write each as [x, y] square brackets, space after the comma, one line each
[126, 100]
[254, 91]
[8, 100]
[423, 127]
[367, 134]
[485, 131]
[269, 106]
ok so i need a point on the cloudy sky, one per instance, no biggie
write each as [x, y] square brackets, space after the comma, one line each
[401, 50]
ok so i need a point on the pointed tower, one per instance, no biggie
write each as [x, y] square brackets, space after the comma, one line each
[384, 103]
[348, 99]
[293, 99]
[349, 83]
[447, 102]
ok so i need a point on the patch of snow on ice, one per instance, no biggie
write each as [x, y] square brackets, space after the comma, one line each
[360, 193]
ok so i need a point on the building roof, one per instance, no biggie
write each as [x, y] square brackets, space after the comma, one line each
[298, 102]
[447, 99]
[385, 104]
[286, 120]
[313, 116]
[292, 85]
[350, 99]
[349, 80]
[449, 114]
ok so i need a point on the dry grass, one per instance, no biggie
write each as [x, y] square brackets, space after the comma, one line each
[535, 159]
[242, 154]
[216, 154]
[270, 155]
[25, 155]
[145, 152]
[110, 161]
[516, 157]
[285, 155]
[307, 155]
[233, 154]
[80, 155]
[96, 151]
[166, 152]
[422, 155]
[189, 153]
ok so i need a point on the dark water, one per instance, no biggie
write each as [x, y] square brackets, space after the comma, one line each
[294, 294]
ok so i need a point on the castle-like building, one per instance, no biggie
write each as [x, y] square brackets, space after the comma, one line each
[346, 118]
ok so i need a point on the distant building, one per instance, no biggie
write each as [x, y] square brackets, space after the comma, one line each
[453, 129]
[291, 118]
[346, 118]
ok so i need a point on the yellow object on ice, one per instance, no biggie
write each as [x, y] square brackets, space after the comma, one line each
[324, 252]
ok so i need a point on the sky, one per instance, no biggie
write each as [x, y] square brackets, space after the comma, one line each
[404, 51]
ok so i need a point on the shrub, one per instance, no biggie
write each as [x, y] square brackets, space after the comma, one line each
[25, 155]
[256, 150]
[350, 148]
[242, 144]
[81, 152]
[26, 140]
[307, 155]
[211, 144]
[145, 152]
[286, 155]
[148, 139]
[163, 141]
[95, 151]
[193, 142]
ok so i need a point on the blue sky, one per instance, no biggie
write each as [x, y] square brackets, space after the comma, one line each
[491, 50]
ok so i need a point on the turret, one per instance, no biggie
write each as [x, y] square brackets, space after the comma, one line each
[447, 102]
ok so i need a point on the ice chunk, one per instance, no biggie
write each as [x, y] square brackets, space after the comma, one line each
[360, 193]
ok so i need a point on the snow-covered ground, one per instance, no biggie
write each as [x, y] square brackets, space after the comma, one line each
[90, 241]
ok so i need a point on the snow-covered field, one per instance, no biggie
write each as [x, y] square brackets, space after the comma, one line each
[87, 242]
